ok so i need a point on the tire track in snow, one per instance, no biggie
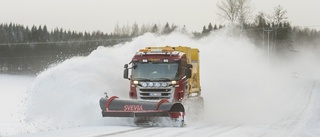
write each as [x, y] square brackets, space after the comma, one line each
[208, 131]
[120, 132]
[204, 131]
[225, 130]
[292, 120]
[141, 131]
[180, 131]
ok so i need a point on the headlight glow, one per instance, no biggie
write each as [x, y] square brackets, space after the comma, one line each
[164, 84]
[157, 84]
[143, 84]
[150, 84]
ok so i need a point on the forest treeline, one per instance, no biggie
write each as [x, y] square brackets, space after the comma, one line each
[30, 50]
[27, 50]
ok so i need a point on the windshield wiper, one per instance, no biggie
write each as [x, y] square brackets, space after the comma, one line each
[166, 79]
[143, 79]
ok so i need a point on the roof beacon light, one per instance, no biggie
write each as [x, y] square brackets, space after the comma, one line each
[144, 50]
[144, 60]
[168, 50]
[156, 50]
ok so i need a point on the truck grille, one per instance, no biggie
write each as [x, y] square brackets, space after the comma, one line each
[155, 90]
[153, 98]
[155, 93]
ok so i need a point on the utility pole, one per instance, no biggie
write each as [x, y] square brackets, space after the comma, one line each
[268, 49]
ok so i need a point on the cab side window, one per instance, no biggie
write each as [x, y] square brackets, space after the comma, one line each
[183, 66]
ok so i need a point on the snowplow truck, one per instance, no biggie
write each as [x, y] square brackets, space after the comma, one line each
[162, 81]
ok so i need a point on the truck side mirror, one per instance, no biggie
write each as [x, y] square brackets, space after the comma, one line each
[188, 73]
[126, 71]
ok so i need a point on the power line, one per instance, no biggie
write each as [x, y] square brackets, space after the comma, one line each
[31, 57]
[309, 26]
[64, 42]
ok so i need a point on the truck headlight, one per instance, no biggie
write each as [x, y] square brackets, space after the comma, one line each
[150, 84]
[157, 84]
[164, 84]
[144, 84]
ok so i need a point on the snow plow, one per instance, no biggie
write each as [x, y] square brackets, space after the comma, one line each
[164, 83]
[144, 112]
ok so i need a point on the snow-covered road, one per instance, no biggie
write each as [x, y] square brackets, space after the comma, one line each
[304, 120]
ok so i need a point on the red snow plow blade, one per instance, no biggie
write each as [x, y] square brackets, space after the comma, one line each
[143, 111]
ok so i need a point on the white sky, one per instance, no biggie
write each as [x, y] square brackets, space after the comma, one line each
[103, 15]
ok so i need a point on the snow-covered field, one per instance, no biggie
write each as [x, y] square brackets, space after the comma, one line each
[246, 94]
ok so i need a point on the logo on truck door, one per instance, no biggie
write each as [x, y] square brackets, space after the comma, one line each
[132, 108]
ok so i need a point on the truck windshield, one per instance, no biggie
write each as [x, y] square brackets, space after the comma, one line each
[155, 71]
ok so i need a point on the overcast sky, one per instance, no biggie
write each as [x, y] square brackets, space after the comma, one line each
[103, 15]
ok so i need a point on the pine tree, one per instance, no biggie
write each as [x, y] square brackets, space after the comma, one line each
[210, 28]
[135, 30]
[215, 27]
[166, 29]
[154, 29]
[45, 33]
[204, 30]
